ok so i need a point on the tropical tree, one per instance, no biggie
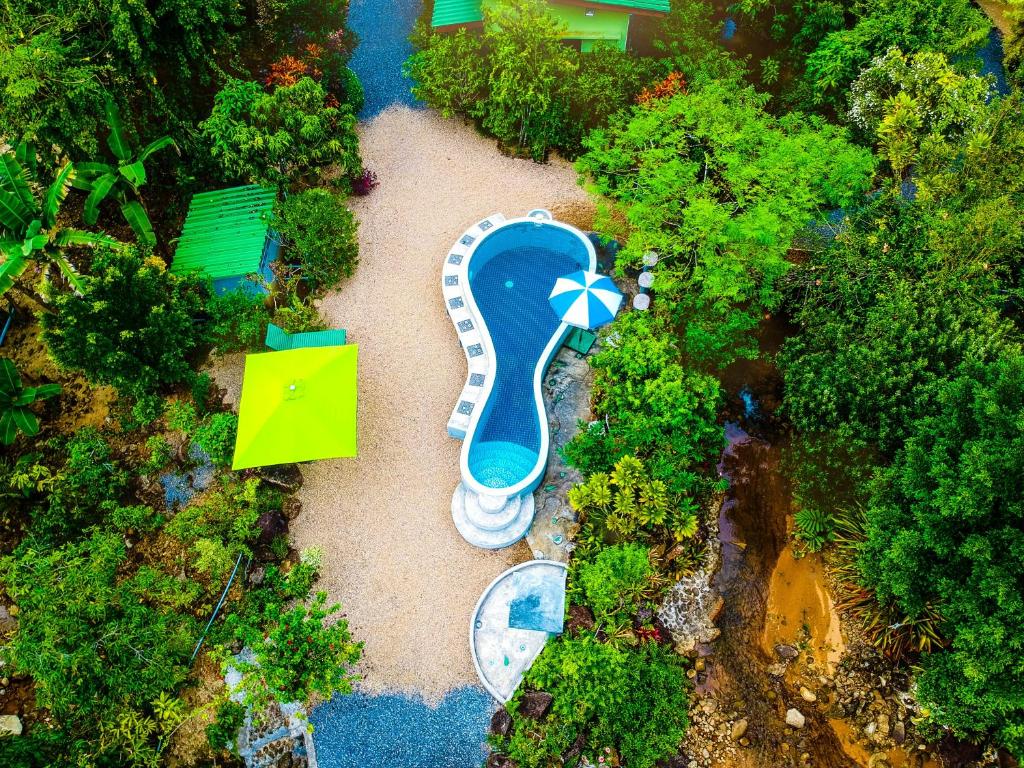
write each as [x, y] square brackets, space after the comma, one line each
[29, 230]
[123, 182]
[15, 400]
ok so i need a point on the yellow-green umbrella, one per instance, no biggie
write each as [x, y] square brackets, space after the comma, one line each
[297, 405]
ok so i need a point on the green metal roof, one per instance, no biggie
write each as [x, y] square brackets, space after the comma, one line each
[225, 232]
[448, 12]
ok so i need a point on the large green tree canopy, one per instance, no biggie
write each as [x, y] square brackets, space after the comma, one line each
[720, 189]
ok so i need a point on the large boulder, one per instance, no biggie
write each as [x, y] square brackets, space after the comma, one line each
[285, 476]
[535, 704]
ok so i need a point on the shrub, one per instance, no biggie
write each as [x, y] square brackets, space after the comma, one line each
[320, 232]
[616, 583]
[238, 321]
[632, 701]
[223, 731]
[134, 326]
[303, 655]
[281, 136]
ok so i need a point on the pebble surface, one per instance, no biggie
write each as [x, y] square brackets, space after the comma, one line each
[363, 731]
[383, 27]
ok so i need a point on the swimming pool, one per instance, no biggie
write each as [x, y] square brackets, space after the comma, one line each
[511, 271]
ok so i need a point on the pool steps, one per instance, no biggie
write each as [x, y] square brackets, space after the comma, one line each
[490, 528]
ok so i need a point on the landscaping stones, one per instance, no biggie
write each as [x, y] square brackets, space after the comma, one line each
[272, 525]
[808, 695]
[535, 704]
[795, 718]
[287, 477]
[739, 728]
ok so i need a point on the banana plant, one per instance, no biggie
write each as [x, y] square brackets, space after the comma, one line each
[15, 400]
[29, 231]
[123, 182]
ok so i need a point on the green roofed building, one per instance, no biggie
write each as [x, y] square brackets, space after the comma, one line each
[227, 237]
[586, 21]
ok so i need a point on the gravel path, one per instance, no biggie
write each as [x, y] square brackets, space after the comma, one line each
[383, 27]
[407, 580]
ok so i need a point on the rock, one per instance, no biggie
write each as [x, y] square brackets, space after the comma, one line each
[738, 729]
[7, 622]
[878, 760]
[686, 646]
[883, 725]
[285, 476]
[777, 670]
[787, 652]
[495, 760]
[716, 609]
[795, 718]
[899, 732]
[691, 673]
[5, 681]
[808, 695]
[870, 728]
[272, 525]
[580, 618]
[700, 664]
[744, 742]
[256, 575]
[574, 750]
[709, 706]
[10, 725]
[501, 722]
[535, 704]
[291, 507]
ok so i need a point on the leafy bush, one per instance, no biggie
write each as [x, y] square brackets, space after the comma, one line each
[223, 731]
[655, 409]
[631, 701]
[813, 527]
[481, 75]
[134, 326]
[238, 321]
[616, 583]
[303, 655]
[222, 525]
[630, 505]
[281, 136]
[320, 232]
[81, 632]
[214, 434]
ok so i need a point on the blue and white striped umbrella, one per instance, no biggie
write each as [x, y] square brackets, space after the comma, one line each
[585, 299]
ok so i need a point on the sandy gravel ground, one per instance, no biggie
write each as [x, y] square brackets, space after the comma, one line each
[392, 556]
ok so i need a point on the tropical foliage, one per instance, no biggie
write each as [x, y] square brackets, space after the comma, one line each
[30, 229]
[320, 233]
[15, 403]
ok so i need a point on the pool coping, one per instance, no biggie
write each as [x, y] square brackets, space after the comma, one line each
[462, 253]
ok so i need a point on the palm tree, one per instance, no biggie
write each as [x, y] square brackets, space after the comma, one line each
[29, 231]
[102, 180]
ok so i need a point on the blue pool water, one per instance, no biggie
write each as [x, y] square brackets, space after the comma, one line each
[511, 275]
[362, 731]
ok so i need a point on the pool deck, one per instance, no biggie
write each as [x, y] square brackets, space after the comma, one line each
[392, 555]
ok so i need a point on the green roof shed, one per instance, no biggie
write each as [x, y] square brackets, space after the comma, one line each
[227, 237]
[586, 21]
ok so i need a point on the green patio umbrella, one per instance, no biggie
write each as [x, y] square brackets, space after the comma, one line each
[297, 405]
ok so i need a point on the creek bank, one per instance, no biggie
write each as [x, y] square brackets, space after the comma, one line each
[786, 682]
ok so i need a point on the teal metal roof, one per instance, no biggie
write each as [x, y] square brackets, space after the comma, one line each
[447, 12]
[225, 232]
